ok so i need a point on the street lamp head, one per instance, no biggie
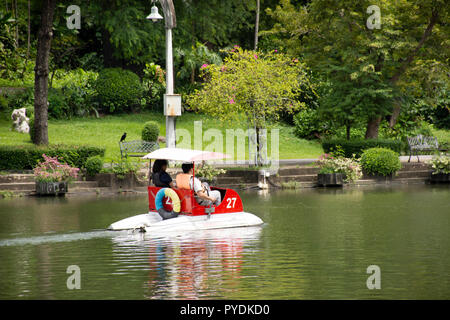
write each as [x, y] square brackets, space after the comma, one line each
[154, 15]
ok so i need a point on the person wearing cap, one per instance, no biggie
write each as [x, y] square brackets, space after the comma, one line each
[204, 195]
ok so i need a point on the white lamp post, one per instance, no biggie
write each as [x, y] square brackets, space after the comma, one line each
[172, 102]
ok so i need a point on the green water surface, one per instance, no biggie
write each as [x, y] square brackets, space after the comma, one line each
[315, 244]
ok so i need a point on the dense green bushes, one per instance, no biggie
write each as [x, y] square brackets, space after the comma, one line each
[150, 131]
[93, 165]
[26, 157]
[357, 147]
[308, 125]
[118, 90]
[380, 161]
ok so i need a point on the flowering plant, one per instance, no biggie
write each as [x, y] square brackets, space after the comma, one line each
[51, 170]
[440, 164]
[350, 167]
[208, 172]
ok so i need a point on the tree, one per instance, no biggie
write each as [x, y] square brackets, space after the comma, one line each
[251, 84]
[41, 73]
[336, 33]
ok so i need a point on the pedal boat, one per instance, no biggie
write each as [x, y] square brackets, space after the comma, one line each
[192, 216]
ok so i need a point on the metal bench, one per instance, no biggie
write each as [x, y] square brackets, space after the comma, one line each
[137, 148]
[421, 143]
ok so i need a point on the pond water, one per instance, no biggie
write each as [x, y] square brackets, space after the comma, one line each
[315, 244]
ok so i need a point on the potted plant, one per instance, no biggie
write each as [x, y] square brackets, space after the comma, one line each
[337, 170]
[441, 168]
[208, 173]
[53, 177]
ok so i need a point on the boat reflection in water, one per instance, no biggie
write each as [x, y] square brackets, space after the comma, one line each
[187, 265]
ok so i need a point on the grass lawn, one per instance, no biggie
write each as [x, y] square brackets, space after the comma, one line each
[106, 132]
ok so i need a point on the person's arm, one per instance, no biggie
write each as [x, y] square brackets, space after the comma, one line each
[199, 190]
[203, 195]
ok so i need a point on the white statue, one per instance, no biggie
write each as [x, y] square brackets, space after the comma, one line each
[20, 120]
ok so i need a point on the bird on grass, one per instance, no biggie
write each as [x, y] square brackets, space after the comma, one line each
[123, 137]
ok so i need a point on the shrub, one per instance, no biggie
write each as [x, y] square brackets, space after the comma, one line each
[28, 156]
[93, 165]
[58, 107]
[31, 132]
[347, 166]
[51, 170]
[440, 164]
[118, 90]
[357, 146]
[150, 131]
[380, 161]
[307, 124]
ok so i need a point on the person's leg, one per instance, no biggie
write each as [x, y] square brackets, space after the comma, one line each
[216, 194]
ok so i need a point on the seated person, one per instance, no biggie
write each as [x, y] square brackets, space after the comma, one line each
[203, 195]
[160, 177]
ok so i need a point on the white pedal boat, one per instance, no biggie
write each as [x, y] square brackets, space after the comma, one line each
[192, 216]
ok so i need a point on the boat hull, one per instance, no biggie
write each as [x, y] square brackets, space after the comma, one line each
[152, 222]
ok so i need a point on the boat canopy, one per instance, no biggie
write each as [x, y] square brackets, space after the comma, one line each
[186, 155]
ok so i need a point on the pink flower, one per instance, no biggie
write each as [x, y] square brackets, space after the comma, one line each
[231, 101]
[275, 50]
[205, 65]
[256, 56]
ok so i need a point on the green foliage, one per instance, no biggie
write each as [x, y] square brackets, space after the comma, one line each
[93, 165]
[357, 146]
[350, 167]
[121, 167]
[154, 84]
[58, 107]
[380, 161]
[256, 85]
[27, 156]
[367, 71]
[150, 131]
[208, 172]
[440, 164]
[190, 61]
[118, 90]
[32, 130]
[308, 125]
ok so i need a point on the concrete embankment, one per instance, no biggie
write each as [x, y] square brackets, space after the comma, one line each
[287, 176]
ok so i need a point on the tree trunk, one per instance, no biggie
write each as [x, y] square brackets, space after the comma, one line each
[45, 35]
[347, 127]
[257, 23]
[372, 128]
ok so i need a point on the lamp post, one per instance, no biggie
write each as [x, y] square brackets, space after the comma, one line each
[172, 102]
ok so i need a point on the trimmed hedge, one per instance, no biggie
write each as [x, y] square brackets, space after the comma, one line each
[150, 132]
[358, 146]
[380, 161]
[93, 165]
[26, 157]
[118, 90]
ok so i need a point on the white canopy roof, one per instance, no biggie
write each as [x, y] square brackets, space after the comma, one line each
[186, 155]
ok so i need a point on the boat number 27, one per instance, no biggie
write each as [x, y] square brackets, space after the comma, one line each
[231, 202]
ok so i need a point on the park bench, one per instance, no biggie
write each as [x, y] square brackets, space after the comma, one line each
[421, 143]
[137, 148]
